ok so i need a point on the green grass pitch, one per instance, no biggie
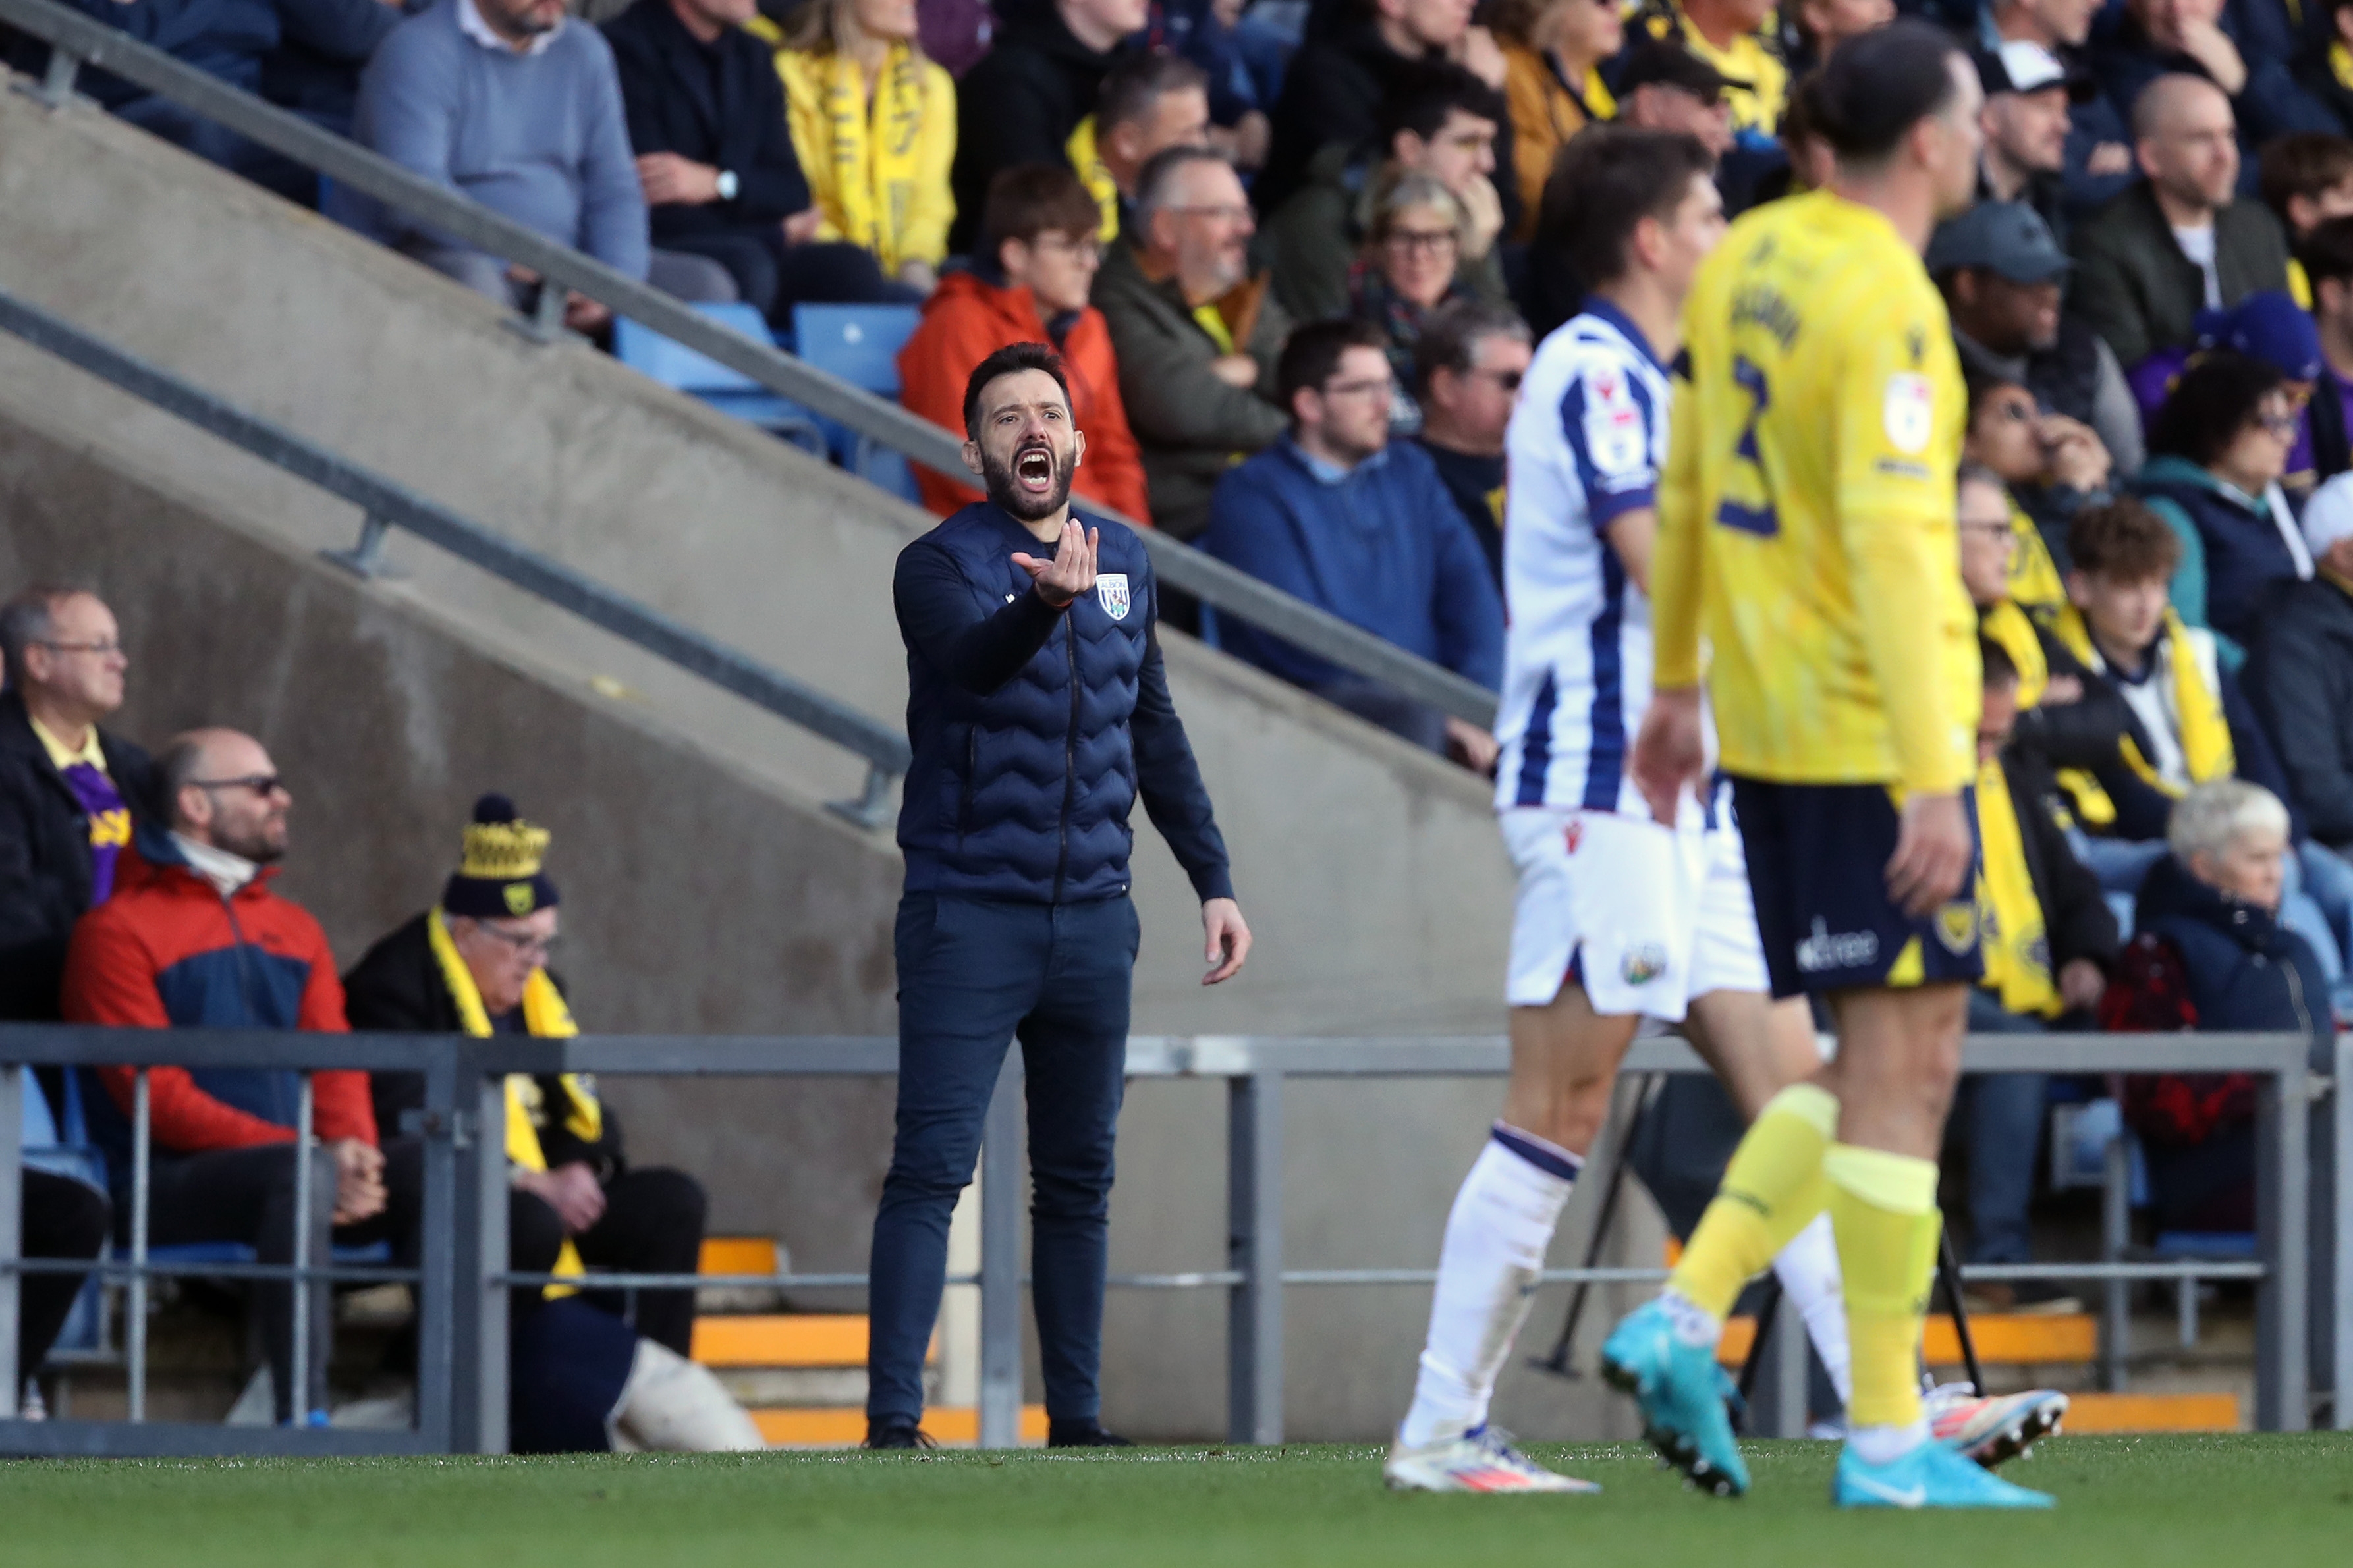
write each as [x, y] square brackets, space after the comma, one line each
[2214, 1501]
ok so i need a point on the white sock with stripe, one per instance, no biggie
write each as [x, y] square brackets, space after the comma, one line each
[1809, 1271]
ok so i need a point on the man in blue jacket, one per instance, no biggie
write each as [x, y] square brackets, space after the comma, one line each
[1038, 711]
[1334, 514]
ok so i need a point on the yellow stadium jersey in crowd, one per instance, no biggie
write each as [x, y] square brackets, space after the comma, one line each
[1807, 517]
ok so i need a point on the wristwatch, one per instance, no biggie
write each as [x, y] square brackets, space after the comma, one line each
[728, 185]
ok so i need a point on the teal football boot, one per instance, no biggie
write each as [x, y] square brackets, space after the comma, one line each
[1685, 1416]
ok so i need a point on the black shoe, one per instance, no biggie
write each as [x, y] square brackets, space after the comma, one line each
[882, 1435]
[1082, 1435]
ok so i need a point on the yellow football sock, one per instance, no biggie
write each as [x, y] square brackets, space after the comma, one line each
[1770, 1192]
[1884, 1210]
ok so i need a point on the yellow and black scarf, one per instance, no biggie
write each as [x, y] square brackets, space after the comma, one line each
[545, 1016]
[2018, 947]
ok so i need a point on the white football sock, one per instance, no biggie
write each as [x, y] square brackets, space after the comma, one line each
[1885, 1445]
[1496, 1234]
[1809, 1271]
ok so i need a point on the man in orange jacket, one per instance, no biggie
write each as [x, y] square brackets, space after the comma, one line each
[194, 937]
[1029, 283]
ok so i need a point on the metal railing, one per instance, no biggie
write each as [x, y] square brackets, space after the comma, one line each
[463, 1285]
[384, 506]
[77, 40]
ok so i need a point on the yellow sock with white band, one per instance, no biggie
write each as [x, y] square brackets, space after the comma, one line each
[1884, 1210]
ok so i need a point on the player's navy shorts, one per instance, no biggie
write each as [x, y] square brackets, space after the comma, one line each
[1818, 859]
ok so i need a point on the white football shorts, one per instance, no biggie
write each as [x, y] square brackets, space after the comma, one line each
[1643, 918]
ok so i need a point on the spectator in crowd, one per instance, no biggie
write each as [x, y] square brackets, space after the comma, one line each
[70, 791]
[1023, 102]
[2183, 721]
[1989, 551]
[714, 155]
[2299, 671]
[1214, 36]
[1821, 26]
[239, 41]
[2243, 47]
[2053, 466]
[1466, 374]
[58, 1217]
[315, 71]
[2324, 67]
[1662, 87]
[2217, 450]
[1407, 271]
[1151, 100]
[2212, 909]
[1730, 36]
[2001, 272]
[873, 126]
[477, 963]
[1336, 85]
[1196, 336]
[2306, 178]
[1029, 283]
[509, 102]
[2051, 938]
[195, 937]
[1553, 51]
[1442, 122]
[2179, 241]
[2099, 155]
[2325, 256]
[2025, 120]
[1338, 515]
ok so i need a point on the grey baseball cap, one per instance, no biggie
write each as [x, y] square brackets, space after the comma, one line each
[2008, 237]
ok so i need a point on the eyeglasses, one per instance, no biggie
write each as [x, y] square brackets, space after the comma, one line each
[1385, 387]
[103, 649]
[1228, 210]
[2280, 425]
[1509, 380]
[2018, 410]
[1089, 249]
[524, 943]
[263, 784]
[1423, 239]
[1989, 527]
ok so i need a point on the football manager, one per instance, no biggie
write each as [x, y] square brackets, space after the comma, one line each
[1038, 711]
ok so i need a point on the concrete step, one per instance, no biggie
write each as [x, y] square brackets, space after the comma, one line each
[953, 1426]
[2012, 1339]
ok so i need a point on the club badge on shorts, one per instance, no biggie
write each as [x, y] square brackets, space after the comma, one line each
[1957, 925]
[1110, 590]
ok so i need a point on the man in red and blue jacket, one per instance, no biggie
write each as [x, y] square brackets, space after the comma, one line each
[195, 938]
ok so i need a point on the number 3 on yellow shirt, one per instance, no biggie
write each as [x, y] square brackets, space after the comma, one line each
[1759, 520]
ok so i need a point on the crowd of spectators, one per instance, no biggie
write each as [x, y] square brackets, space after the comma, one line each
[1293, 256]
[139, 893]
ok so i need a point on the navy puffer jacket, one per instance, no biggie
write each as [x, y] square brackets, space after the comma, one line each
[2247, 973]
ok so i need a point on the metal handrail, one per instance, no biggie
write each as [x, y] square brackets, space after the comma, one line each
[388, 505]
[77, 40]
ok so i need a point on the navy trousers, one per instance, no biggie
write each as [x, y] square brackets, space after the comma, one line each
[976, 975]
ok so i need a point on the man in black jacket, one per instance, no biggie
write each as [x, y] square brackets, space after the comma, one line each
[68, 791]
[476, 963]
[1020, 103]
[706, 116]
[2300, 671]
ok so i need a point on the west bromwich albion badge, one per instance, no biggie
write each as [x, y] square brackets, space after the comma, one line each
[1110, 589]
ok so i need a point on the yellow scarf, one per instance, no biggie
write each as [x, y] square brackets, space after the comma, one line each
[545, 1016]
[1081, 150]
[2007, 625]
[2034, 581]
[2017, 949]
[876, 168]
[2206, 749]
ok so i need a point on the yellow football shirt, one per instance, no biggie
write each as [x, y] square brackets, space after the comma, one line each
[1806, 513]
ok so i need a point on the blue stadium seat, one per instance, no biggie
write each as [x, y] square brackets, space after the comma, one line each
[732, 393]
[861, 344]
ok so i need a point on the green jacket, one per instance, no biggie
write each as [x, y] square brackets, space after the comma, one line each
[2135, 288]
[1190, 425]
[1313, 238]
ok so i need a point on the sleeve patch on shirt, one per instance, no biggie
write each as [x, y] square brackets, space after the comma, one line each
[1617, 439]
[1909, 412]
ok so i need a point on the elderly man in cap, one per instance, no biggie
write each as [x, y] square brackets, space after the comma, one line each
[477, 962]
[2002, 273]
[1664, 87]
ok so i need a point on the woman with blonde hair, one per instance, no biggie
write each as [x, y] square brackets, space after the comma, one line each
[1553, 51]
[1409, 267]
[874, 123]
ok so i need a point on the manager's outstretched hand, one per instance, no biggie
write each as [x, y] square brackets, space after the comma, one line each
[1229, 940]
[1070, 572]
[1671, 752]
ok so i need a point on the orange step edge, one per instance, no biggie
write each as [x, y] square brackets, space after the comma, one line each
[847, 1428]
[2152, 1413]
[785, 1340]
[737, 1255]
[2010, 1339]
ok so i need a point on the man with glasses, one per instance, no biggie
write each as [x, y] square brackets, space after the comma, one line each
[1195, 334]
[195, 937]
[1466, 371]
[69, 790]
[1337, 516]
[477, 963]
